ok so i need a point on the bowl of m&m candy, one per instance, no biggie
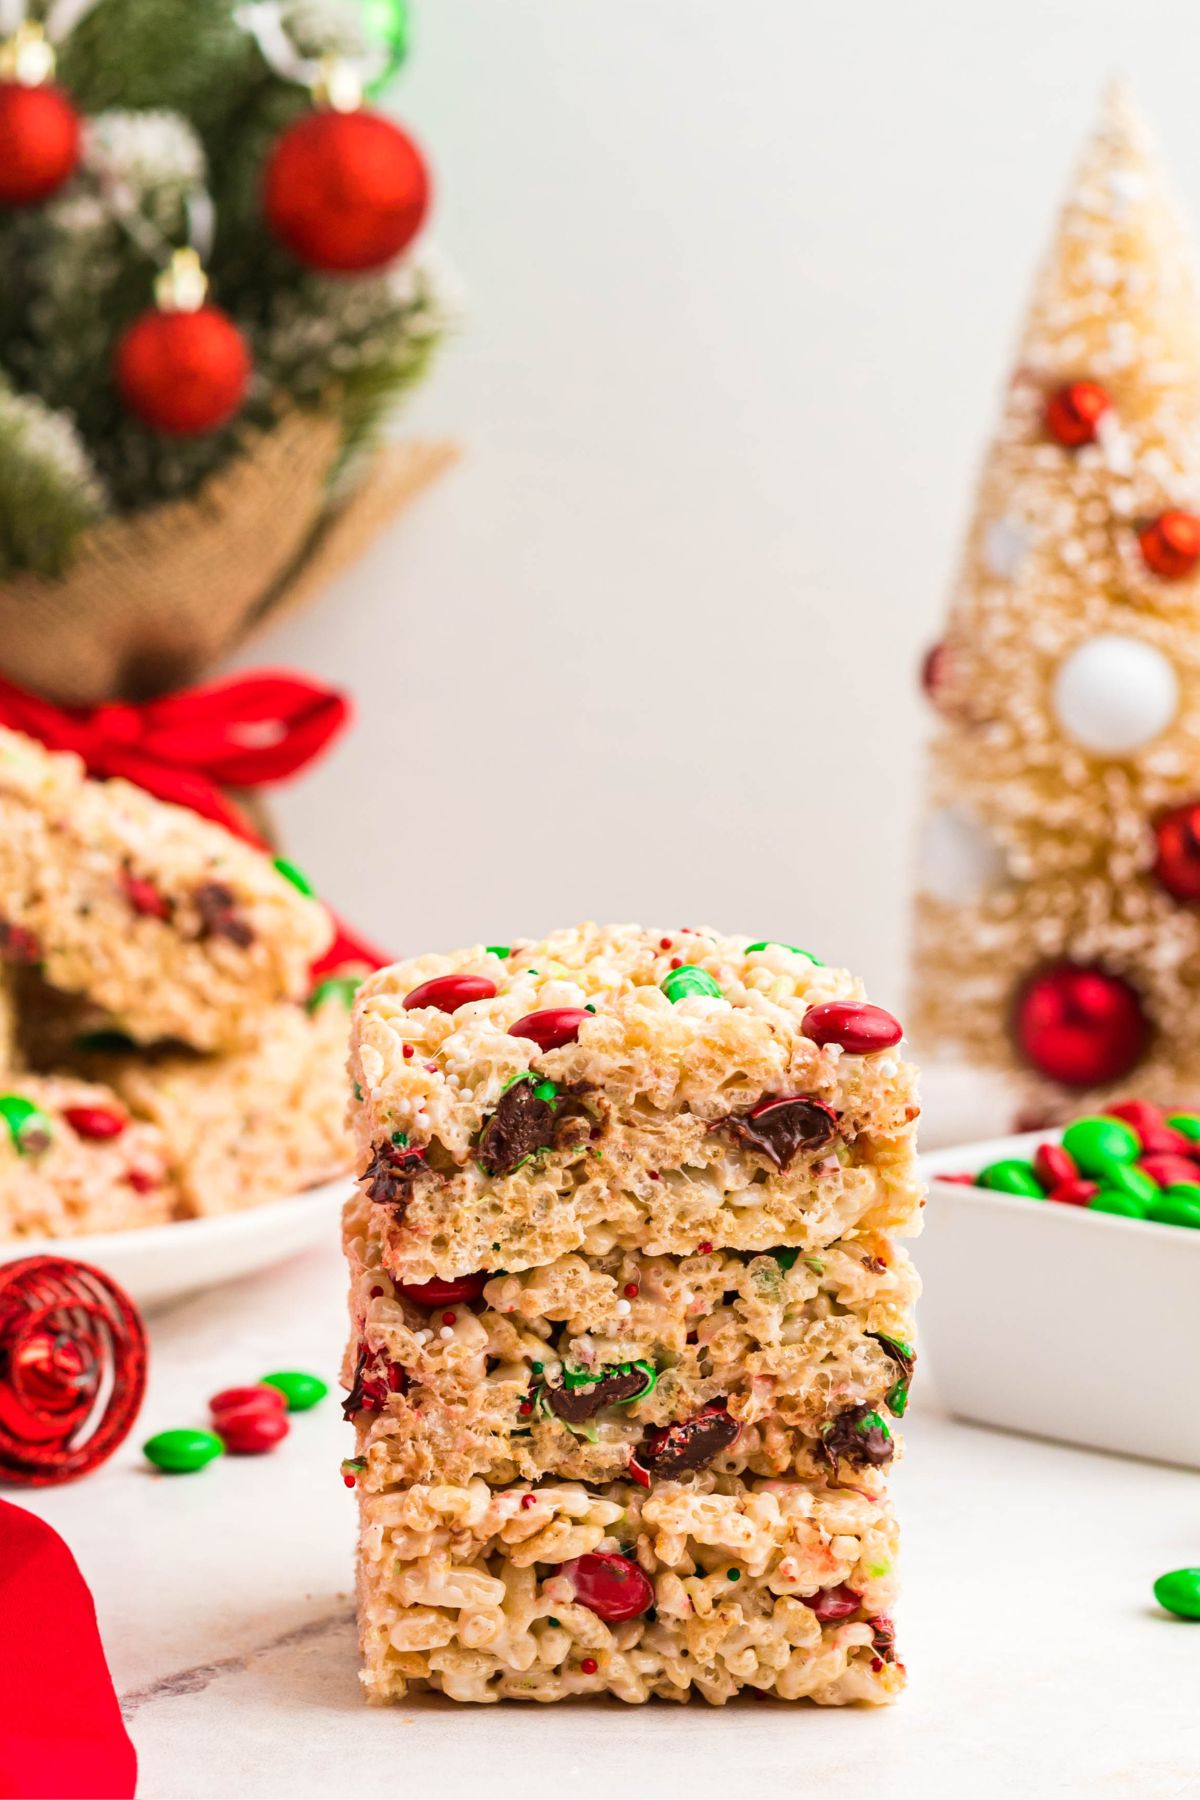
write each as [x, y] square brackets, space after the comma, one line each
[1060, 1273]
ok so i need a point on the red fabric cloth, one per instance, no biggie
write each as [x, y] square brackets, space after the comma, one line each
[246, 732]
[61, 1735]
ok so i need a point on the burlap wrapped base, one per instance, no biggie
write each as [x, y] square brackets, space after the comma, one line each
[152, 602]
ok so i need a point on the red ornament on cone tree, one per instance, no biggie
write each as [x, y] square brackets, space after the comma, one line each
[1170, 545]
[182, 367]
[1073, 414]
[1177, 865]
[1080, 1025]
[39, 142]
[345, 191]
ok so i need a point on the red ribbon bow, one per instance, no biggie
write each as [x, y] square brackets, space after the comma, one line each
[245, 732]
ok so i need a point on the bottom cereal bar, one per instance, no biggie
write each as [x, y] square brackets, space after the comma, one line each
[72, 1160]
[706, 1588]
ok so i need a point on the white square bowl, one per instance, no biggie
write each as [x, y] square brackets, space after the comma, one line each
[1057, 1321]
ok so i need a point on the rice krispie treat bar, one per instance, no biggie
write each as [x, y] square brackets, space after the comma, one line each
[704, 1586]
[617, 1087]
[73, 1160]
[165, 921]
[255, 1124]
[625, 1224]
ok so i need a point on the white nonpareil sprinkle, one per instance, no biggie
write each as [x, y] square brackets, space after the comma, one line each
[624, 1308]
[446, 1332]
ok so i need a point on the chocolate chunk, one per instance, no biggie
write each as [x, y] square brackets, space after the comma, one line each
[530, 1115]
[781, 1128]
[389, 1175]
[375, 1377]
[219, 917]
[17, 945]
[905, 1357]
[691, 1443]
[858, 1436]
[575, 1406]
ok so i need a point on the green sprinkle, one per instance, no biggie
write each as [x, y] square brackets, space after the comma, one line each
[503, 951]
[733, 1574]
[297, 877]
[775, 944]
[815, 1264]
[588, 1007]
[679, 984]
[334, 987]
[400, 1139]
[786, 1258]
[357, 1092]
[182, 1452]
[299, 1389]
[28, 1127]
[537, 1368]
[553, 1622]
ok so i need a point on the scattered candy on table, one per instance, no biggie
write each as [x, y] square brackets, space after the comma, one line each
[1179, 1592]
[1135, 1161]
[246, 1421]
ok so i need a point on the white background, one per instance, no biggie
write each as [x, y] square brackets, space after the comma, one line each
[744, 277]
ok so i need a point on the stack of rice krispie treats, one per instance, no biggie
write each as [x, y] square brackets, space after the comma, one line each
[630, 1327]
[164, 1051]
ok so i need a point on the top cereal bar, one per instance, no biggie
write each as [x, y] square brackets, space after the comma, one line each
[162, 919]
[616, 1086]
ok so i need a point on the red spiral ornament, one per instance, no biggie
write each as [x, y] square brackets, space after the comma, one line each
[72, 1369]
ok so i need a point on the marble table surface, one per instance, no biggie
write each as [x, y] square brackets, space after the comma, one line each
[1039, 1664]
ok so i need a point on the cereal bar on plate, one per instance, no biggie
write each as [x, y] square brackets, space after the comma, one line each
[73, 1160]
[160, 918]
[629, 1328]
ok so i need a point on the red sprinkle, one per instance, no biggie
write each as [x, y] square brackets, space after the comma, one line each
[444, 1293]
[448, 992]
[141, 1181]
[589, 1665]
[631, 1290]
[375, 1293]
[528, 1500]
[859, 1029]
[408, 1050]
[1076, 1192]
[704, 1248]
[677, 962]
[448, 1318]
[664, 943]
[350, 1480]
[551, 1028]
[653, 1174]
[95, 1122]
[525, 1408]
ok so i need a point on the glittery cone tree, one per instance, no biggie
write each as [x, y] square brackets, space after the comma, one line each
[1058, 915]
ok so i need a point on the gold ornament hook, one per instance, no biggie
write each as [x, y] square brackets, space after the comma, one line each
[28, 56]
[182, 285]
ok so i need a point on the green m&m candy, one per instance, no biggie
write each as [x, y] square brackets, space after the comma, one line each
[1176, 1206]
[775, 944]
[28, 1127]
[1011, 1175]
[1094, 1143]
[1124, 1178]
[299, 1390]
[1187, 1123]
[1179, 1593]
[334, 987]
[1111, 1200]
[679, 984]
[182, 1452]
[297, 877]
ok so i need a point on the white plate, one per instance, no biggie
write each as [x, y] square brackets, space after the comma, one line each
[158, 1263]
[1058, 1321]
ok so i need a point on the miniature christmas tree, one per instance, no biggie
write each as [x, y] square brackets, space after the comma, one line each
[1058, 917]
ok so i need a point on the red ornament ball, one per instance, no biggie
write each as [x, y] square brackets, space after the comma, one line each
[1170, 545]
[39, 142]
[345, 191]
[1177, 863]
[182, 373]
[72, 1369]
[1080, 1025]
[1074, 412]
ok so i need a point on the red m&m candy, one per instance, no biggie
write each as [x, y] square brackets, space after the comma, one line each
[831, 1604]
[251, 1430]
[444, 1293]
[448, 992]
[1053, 1165]
[610, 1586]
[1076, 1192]
[236, 1399]
[859, 1029]
[551, 1029]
